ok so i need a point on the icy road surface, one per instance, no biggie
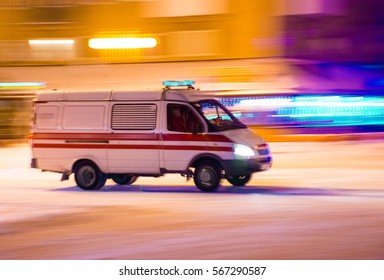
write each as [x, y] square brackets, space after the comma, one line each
[319, 201]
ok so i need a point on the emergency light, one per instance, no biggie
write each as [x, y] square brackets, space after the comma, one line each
[183, 83]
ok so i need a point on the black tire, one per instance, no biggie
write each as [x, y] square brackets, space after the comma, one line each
[207, 177]
[88, 176]
[122, 179]
[240, 180]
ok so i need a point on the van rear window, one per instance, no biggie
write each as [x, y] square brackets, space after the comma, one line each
[134, 116]
[47, 116]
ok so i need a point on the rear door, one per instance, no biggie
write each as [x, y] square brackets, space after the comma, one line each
[134, 138]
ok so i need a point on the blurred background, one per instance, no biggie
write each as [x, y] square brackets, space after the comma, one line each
[285, 67]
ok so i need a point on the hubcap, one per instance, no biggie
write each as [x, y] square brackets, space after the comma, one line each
[206, 176]
[87, 176]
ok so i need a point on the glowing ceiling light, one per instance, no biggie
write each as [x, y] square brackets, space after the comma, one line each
[122, 43]
[51, 42]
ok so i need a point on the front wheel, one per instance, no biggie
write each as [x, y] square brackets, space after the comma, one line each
[122, 179]
[88, 176]
[241, 180]
[207, 177]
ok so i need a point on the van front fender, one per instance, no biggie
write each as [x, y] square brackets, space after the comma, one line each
[207, 157]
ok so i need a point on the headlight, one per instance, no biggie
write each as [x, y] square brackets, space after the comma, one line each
[242, 150]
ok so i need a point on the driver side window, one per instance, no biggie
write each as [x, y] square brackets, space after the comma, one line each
[181, 118]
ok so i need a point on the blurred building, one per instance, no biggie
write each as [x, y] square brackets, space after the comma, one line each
[334, 30]
[335, 44]
[185, 30]
[323, 44]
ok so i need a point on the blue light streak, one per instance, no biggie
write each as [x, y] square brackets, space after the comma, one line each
[309, 110]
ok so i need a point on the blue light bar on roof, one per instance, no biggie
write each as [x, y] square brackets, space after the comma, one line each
[183, 83]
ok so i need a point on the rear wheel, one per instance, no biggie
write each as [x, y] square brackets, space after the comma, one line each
[241, 180]
[122, 179]
[207, 177]
[88, 176]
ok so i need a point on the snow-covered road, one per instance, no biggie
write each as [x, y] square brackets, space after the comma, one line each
[322, 200]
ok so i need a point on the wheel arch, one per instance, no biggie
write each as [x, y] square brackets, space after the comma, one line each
[80, 160]
[215, 159]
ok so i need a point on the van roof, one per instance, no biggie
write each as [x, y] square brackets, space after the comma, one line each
[186, 95]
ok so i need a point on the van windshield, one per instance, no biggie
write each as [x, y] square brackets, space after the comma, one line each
[217, 116]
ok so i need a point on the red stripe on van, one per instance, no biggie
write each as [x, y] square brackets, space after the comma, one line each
[196, 137]
[131, 147]
[96, 136]
[70, 146]
[131, 136]
[198, 148]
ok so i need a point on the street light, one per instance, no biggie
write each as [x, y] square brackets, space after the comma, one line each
[122, 43]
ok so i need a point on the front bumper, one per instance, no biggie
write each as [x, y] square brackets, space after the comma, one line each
[239, 167]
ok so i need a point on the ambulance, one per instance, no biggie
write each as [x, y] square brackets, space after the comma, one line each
[122, 135]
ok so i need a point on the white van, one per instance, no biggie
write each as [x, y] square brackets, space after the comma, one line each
[122, 135]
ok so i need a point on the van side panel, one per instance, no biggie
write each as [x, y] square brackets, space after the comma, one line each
[134, 146]
[65, 132]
